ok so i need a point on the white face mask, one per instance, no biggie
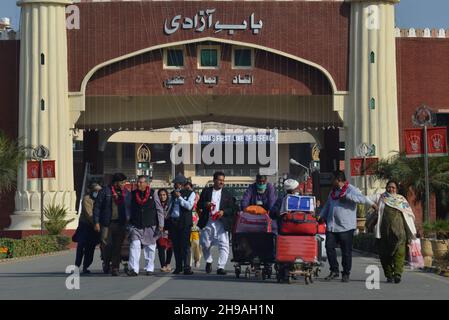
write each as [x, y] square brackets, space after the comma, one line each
[94, 194]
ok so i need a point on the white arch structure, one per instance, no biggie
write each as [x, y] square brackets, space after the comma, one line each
[77, 99]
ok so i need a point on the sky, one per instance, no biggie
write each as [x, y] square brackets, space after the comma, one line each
[409, 13]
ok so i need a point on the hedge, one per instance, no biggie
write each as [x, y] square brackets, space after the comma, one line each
[366, 242]
[33, 245]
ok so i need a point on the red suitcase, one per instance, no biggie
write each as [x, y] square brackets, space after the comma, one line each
[290, 248]
[299, 223]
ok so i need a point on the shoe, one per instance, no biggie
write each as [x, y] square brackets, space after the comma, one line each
[397, 279]
[106, 268]
[188, 272]
[115, 273]
[221, 272]
[345, 278]
[177, 271]
[86, 271]
[163, 269]
[389, 280]
[149, 273]
[197, 264]
[168, 268]
[132, 273]
[332, 276]
[208, 267]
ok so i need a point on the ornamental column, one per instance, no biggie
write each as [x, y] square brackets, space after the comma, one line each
[371, 115]
[44, 109]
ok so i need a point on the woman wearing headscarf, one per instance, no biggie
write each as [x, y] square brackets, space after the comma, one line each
[164, 244]
[85, 235]
[395, 228]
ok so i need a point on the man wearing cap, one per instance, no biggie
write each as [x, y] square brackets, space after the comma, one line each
[291, 186]
[260, 193]
[146, 224]
[180, 217]
[111, 213]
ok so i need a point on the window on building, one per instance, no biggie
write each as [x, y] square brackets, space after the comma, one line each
[372, 57]
[242, 58]
[174, 58]
[372, 104]
[209, 57]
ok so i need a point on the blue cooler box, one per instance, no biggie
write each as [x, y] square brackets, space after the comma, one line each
[300, 203]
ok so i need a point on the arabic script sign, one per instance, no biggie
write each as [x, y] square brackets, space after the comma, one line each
[204, 19]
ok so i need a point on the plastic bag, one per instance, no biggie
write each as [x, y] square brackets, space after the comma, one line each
[415, 257]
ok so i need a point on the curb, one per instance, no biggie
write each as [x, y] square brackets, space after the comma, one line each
[19, 259]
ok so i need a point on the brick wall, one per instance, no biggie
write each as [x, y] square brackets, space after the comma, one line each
[273, 74]
[315, 31]
[423, 78]
[9, 110]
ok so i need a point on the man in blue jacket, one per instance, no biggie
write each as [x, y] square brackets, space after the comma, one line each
[260, 193]
[111, 214]
[340, 214]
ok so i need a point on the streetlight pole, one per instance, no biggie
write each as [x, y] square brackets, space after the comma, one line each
[426, 175]
[173, 155]
[296, 163]
[41, 181]
[424, 117]
[41, 153]
[365, 178]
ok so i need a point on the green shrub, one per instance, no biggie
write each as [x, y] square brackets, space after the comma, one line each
[366, 242]
[438, 229]
[56, 221]
[34, 245]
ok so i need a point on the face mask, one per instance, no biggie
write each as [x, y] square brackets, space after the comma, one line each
[94, 194]
[261, 187]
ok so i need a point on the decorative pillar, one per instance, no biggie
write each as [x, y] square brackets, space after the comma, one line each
[44, 109]
[371, 115]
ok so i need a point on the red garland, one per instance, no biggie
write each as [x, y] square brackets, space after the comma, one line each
[118, 201]
[342, 193]
[141, 201]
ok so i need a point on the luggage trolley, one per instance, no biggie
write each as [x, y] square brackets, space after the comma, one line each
[255, 252]
[298, 256]
[300, 245]
[254, 244]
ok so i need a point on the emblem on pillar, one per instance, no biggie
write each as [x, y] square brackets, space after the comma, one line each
[144, 167]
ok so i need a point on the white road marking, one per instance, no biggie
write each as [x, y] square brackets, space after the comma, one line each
[150, 289]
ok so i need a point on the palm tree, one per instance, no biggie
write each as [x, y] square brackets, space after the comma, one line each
[409, 172]
[12, 153]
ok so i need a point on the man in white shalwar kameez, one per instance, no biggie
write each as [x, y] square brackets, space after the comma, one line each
[217, 209]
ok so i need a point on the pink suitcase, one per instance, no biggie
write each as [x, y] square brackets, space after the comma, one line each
[253, 223]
